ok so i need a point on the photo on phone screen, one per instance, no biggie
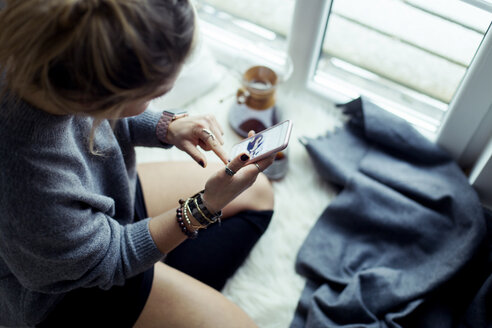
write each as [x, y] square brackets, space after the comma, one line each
[265, 143]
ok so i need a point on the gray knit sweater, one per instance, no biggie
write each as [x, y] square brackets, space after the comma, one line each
[67, 215]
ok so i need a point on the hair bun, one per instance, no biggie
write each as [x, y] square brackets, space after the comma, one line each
[74, 10]
[93, 53]
[86, 6]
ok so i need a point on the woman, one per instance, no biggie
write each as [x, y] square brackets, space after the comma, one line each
[81, 239]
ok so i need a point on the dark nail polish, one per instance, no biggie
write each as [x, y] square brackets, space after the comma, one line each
[244, 157]
[201, 163]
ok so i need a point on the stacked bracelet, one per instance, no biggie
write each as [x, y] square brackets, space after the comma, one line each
[195, 207]
[185, 225]
[187, 210]
[198, 209]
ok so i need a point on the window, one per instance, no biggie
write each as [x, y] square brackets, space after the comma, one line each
[253, 29]
[412, 54]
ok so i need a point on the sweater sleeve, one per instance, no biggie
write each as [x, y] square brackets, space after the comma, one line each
[58, 238]
[140, 130]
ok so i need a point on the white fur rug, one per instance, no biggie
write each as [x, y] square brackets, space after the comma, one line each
[267, 286]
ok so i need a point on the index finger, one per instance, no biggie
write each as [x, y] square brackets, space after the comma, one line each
[209, 139]
[219, 151]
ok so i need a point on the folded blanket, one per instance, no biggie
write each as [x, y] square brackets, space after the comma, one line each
[402, 244]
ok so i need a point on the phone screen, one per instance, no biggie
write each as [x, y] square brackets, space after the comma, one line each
[271, 140]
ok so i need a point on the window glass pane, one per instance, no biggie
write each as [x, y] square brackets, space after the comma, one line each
[256, 26]
[413, 52]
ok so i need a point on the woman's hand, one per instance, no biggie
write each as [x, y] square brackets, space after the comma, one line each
[189, 132]
[222, 188]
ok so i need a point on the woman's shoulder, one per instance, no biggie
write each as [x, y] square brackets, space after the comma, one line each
[27, 129]
[44, 154]
[48, 173]
[22, 123]
[38, 146]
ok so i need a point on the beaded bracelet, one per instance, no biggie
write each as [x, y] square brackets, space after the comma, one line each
[190, 233]
[195, 206]
[187, 210]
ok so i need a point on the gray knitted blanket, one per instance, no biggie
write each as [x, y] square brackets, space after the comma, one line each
[404, 242]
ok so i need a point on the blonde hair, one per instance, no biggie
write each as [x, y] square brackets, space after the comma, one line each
[91, 56]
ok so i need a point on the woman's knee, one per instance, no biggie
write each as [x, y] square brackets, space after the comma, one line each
[261, 195]
[258, 197]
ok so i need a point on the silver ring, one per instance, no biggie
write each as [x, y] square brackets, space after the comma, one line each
[258, 167]
[209, 133]
[229, 172]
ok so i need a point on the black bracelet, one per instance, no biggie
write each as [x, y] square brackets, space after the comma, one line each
[212, 216]
[201, 218]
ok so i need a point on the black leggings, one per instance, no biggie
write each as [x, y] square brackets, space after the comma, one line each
[218, 251]
[211, 258]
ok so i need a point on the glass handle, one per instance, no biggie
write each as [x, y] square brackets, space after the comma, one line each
[242, 96]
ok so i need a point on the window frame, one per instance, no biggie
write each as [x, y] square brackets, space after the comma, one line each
[466, 134]
[483, 4]
[461, 132]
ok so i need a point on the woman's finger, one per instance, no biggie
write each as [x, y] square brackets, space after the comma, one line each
[221, 153]
[215, 128]
[210, 139]
[217, 133]
[210, 123]
[237, 163]
[263, 164]
[195, 153]
[204, 146]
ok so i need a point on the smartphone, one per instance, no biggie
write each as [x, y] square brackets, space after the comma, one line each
[265, 143]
